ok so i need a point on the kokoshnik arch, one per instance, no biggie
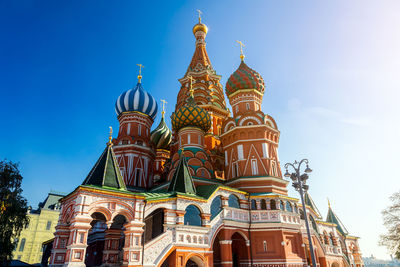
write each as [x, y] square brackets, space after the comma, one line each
[208, 193]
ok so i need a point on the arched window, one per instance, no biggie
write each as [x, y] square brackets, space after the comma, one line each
[192, 216]
[273, 204]
[233, 202]
[263, 204]
[216, 207]
[22, 245]
[289, 206]
[253, 204]
[281, 205]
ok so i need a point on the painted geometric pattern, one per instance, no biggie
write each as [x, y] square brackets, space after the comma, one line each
[244, 78]
[161, 136]
[137, 99]
[191, 115]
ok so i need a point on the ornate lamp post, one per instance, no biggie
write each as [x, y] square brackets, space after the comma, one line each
[299, 183]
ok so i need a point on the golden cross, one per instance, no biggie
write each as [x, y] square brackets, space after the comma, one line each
[110, 137]
[199, 11]
[140, 72]
[163, 107]
[241, 49]
[191, 85]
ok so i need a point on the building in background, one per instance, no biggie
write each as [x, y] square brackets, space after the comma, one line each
[42, 223]
[208, 193]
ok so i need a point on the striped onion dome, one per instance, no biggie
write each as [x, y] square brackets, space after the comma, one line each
[191, 115]
[161, 136]
[244, 78]
[137, 99]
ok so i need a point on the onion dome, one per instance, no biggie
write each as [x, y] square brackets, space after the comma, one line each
[244, 78]
[191, 115]
[200, 26]
[137, 99]
[161, 136]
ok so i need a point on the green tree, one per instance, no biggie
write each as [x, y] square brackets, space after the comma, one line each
[13, 209]
[391, 220]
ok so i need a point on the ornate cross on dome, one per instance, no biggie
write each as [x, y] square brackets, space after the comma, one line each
[199, 11]
[191, 85]
[163, 107]
[241, 49]
[140, 72]
[110, 137]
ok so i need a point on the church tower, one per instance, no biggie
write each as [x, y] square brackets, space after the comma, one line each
[208, 94]
[250, 138]
[136, 110]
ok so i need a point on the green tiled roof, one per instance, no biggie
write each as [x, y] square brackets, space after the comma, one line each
[182, 181]
[309, 202]
[333, 218]
[105, 172]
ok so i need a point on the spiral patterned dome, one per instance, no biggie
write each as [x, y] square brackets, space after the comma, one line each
[244, 78]
[161, 136]
[191, 115]
[137, 99]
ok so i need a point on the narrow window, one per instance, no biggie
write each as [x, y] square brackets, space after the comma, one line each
[265, 246]
[139, 129]
[240, 152]
[254, 168]
[253, 204]
[81, 238]
[48, 226]
[263, 204]
[199, 139]
[237, 108]
[188, 138]
[247, 106]
[22, 245]
[138, 174]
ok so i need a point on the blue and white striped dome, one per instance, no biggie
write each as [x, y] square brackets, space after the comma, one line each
[137, 99]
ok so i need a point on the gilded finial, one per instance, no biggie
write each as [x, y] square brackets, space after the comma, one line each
[191, 86]
[182, 150]
[199, 11]
[329, 203]
[110, 137]
[140, 72]
[163, 107]
[241, 50]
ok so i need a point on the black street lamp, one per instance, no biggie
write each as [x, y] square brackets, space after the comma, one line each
[299, 183]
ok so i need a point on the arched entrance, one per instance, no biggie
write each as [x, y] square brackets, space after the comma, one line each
[239, 250]
[335, 264]
[95, 240]
[154, 225]
[216, 252]
[195, 261]
[114, 241]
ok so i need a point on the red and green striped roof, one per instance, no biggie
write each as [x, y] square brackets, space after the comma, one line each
[244, 78]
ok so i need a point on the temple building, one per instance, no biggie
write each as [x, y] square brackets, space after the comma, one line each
[207, 192]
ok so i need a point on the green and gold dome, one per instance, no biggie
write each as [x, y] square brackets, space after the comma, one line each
[191, 115]
[161, 136]
[244, 78]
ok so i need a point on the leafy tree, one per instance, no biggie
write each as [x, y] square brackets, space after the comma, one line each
[13, 209]
[391, 219]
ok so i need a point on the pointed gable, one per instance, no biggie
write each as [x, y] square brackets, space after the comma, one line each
[106, 171]
[333, 218]
[182, 181]
[309, 202]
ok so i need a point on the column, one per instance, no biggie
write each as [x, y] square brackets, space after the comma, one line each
[133, 244]
[226, 253]
[77, 243]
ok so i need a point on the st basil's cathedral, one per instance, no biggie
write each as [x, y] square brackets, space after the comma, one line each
[209, 192]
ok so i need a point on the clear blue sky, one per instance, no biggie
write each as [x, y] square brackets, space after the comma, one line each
[331, 70]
